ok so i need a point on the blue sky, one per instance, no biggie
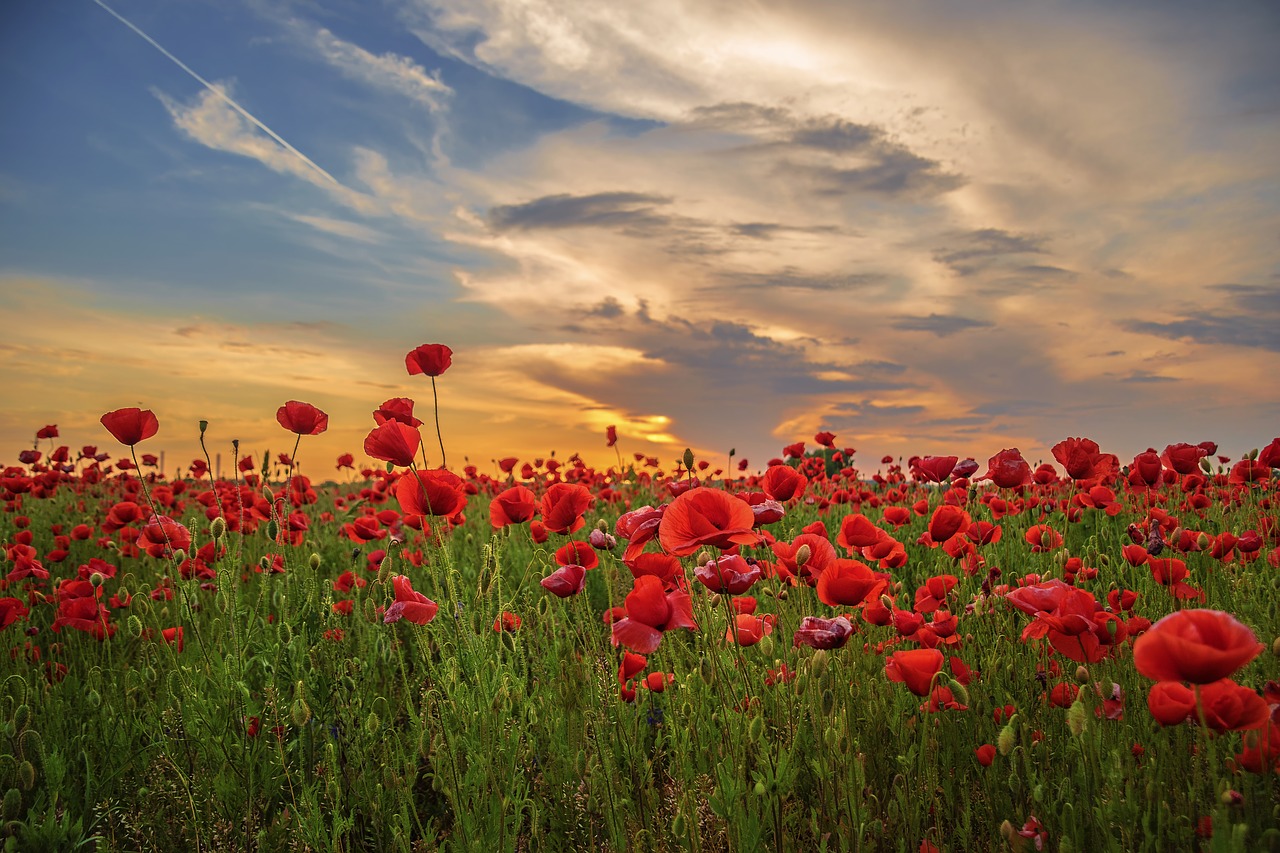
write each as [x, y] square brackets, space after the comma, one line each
[939, 228]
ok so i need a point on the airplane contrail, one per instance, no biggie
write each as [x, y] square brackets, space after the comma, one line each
[221, 94]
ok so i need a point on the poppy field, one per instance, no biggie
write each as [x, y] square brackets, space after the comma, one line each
[816, 652]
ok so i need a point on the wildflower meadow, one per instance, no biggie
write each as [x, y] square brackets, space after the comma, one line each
[391, 653]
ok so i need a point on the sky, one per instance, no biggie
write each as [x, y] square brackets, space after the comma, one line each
[936, 228]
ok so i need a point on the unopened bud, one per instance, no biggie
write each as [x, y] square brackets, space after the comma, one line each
[1007, 738]
[204, 425]
[688, 459]
[218, 527]
[1076, 716]
[1082, 675]
[802, 555]
[314, 562]
[1232, 797]
[1275, 647]
[959, 691]
[96, 579]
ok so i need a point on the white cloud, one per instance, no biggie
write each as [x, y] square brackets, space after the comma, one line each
[386, 70]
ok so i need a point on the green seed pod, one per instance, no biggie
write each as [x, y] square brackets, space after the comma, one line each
[1006, 739]
[1077, 717]
[134, 625]
[26, 775]
[299, 711]
[12, 804]
[31, 747]
[818, 663]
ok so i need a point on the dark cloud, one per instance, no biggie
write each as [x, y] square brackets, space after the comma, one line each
[895, 172]
[791, 278]
[1251, 320]
[837, 135]
[768, 230]
[977, 250]
[1146, 377]
[617, 210]
[941, 325]
[1242, 330]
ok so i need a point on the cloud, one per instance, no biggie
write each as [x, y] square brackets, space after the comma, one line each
[977, 250]
[389, 71]
[624, 210]
[1250, 320]
[212, 122]
[939, 324]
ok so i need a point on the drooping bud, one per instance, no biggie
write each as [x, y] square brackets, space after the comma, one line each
[1076, 716]
[299, 711]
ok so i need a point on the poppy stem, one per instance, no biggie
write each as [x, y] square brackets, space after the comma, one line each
[435, 404]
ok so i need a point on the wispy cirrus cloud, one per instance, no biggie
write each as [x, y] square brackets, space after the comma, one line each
[389, 71]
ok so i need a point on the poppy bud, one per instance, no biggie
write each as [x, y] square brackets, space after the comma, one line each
[688, 459]
[802, 555]
[828, 703]
[314, 562]
[756, 729]
[12, 808]
[1007, 738]
[95, 579]
[887, 602]
[818, 663]
[766, 645]
[1082, 675]
[299, 712]
[1076, 717]
[760, 789]
[371, 724]
[218, 527]
[959, 691]
[782, 596]
[1232, 797]
[179, 557]
[204, 425]
[602, 526]
[1275, 647]
[26, 775]
[1202, 541]
[135, 627]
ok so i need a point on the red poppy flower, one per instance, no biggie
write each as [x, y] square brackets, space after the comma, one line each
[565, 581]
[563, 505]
[513, 506]
[947, 521]
[393, 441]
[11, 610]
[749, 629]
[50, 431]
[1231, 707]
[576, 553]
[826, 439]
[705, 517]
[986, 754]
[410, 605]
[436, 492]
[1042, 537]
[302, 418]
[1082, 458]
[162, 536]
[611, 435]
[915, 668]
[130, 426]
[651, 610]
[818, 633]
[857, 531]
[848, 583]
[1198, 646]
[173, 636]
[346, 460]
[1183, 458]
[730, 574]
[1270, 455]
[1147, 467]
[934, 469]
[933, 593]
[396, 409]
[1007, 469]
[630, 666]
[429, 360]
[782, 483]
